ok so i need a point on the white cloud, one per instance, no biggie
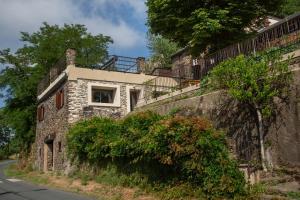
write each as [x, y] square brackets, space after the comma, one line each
[27, 15]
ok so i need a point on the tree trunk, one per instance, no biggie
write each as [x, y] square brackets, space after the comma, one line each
[261, 139]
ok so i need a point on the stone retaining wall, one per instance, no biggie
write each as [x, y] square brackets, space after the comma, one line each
[282, 138]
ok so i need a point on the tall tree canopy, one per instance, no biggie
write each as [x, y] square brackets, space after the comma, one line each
[205, 23]
[25, 68]
[161, 50]
[290, 7]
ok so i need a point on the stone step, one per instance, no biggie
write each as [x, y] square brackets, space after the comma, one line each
[272, 180]
[283, 189]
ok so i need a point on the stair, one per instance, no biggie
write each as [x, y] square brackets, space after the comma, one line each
[281, 184]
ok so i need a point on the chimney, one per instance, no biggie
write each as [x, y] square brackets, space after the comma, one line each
[70, 57]
[141, 64]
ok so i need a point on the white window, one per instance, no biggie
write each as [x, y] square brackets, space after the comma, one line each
[103, 95]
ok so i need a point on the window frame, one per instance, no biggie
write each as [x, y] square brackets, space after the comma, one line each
[116, 94]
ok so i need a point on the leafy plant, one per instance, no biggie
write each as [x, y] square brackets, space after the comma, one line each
[149, 149]
[255, 81]
[23, 70]
[203, 24]
[161, 50]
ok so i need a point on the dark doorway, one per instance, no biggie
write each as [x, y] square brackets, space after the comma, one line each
[48, 155]
[134, 97]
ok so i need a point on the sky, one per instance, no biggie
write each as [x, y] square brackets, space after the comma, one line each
[123, 20]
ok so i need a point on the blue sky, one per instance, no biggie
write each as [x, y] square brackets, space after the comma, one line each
[123, 20]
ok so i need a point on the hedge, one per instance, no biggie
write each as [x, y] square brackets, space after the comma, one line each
[175, 148]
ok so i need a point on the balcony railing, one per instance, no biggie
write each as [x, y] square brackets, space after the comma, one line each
[113, 63]
[283, 34]
[123, 64]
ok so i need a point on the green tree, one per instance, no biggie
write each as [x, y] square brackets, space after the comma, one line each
[203, 23]
[6, 136]
[161, 50]
[25, 68]
[290, 7]
[255, 81]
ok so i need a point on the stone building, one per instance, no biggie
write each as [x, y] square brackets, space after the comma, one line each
[71, 93]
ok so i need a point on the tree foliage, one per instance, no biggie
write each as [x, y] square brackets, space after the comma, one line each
[290, 7]
[25, 68]
[202, 23]
[255, 81]
[6, 138]
[161, 50]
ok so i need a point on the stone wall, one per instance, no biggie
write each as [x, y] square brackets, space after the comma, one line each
[79, 107]
[282, 138]
[55, 124]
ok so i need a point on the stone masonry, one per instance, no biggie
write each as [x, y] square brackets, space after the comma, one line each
[78, 101]
[76, 107]
[55, 124]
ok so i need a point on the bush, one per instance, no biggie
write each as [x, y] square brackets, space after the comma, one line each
[165, 150]
[90, 140]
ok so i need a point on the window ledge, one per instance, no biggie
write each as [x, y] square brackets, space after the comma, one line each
[104, 104]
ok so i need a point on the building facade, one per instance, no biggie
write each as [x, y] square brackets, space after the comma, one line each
[77, 93]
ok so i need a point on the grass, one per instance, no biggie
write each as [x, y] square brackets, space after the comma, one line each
[106, 187]
[13, 171]
[111, 185]
[294, 195]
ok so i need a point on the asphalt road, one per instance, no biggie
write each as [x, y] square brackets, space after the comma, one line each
[14, 189]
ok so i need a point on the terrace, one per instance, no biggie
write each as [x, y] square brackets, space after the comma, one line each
[113, 63]
[283, 36]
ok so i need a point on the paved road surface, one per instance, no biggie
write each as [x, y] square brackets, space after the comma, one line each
[14, 189]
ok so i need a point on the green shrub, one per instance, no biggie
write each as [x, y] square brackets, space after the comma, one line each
[198, 153]
[134, 127]
[90, 140]
[146, 148]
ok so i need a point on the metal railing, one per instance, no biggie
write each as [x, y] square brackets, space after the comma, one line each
[113, 63]
[160, 86]
[284, 36]
[122, 64]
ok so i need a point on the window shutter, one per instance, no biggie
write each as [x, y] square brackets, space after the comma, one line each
[57, 100]
[42, 113]
[62, 98]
